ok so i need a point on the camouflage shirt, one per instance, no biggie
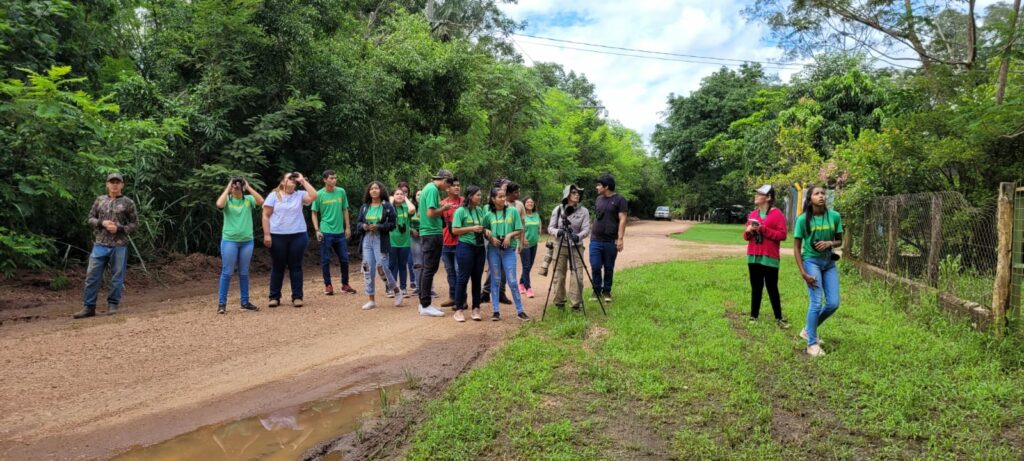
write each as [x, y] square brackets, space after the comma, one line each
[120, 210]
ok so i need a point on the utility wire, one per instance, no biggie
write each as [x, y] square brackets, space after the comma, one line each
[657, 58]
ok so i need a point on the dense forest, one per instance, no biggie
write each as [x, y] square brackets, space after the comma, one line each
[180, 95]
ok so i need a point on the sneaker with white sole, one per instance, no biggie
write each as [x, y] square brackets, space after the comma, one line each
[458, 316]
[522, 316]
[369, 305]
[431, 311]
[803, 334]
[399, 296]
[476, 315]
[815, 351]
[389, 294]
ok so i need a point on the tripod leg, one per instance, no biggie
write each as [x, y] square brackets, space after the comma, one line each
[590, 277]
[551, 285]
[575, 271]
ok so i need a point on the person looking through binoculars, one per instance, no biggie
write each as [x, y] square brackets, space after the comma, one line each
[572, 221]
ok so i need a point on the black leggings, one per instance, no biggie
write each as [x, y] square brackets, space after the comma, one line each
[761, 277]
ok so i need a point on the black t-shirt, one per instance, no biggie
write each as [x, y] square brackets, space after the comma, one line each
[606, 226]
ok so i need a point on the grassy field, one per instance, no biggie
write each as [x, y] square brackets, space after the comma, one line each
[676, 371]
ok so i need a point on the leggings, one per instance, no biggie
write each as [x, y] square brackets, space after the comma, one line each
[764, 277]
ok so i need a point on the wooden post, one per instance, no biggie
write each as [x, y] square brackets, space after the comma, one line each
[865, 239]
[935, 249]
[894, 234]
[1004, 232]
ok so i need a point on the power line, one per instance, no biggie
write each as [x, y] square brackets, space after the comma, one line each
[657, 58]
[662, 53]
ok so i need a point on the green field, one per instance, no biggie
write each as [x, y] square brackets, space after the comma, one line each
[721, 234]
[676, 371]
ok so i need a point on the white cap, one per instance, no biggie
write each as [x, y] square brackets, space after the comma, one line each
[765, 189]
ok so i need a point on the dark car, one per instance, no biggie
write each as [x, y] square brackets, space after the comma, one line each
[736, 214]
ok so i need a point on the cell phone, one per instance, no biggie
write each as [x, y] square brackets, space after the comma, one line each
[754, 223]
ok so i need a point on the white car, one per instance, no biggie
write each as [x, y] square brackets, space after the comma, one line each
[663, 212]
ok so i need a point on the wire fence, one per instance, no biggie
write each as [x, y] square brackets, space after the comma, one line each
[938, 239]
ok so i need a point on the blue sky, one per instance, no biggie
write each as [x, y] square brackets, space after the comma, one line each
[633, 90]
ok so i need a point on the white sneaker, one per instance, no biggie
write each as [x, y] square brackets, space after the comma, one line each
[459, 317]
[399, 296]
[815, 351]
[389, 294]
[369, 305]
[803, 334]
[431, 311]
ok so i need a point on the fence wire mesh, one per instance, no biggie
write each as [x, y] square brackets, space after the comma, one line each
[1017, 255]
[938, 239]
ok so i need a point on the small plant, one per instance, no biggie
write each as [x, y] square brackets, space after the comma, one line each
[60, 282]
[411, 379]
[385, 403]
[949, 270]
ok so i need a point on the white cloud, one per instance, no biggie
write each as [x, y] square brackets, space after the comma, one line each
[634, 90]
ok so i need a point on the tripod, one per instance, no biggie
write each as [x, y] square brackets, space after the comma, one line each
[565, 240]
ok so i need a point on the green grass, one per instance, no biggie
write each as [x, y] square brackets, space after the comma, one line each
[676, 371]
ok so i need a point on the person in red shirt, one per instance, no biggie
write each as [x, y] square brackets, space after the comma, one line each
[765, 231]
[450, 241]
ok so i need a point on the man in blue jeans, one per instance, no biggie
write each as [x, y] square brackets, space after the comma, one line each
[330, 219]
[607, 234]
[112, 217]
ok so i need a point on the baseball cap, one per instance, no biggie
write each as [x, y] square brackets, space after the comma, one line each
[765, 190]
[444, 174]
[113, 176]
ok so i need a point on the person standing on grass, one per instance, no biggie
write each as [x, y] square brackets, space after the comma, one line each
[431, 236]
[528, 251]
[609, 232]
[818, 231]
[236, 241]
[578, 218]
[112, 217]
[451, 241]
[502, 227]
[331, 222]
[285, 234]
[765, 231]
[401, 241]
[467, 225]
[377, 219]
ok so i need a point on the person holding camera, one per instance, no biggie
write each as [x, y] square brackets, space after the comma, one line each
[468, 226]
[818, 232]
[377, 219]
[431, 237]
[401, 241]
[112, 217]
[504, 184]
[609, 233]
[285, 234]
[236, 242]
[528, 251]
[331, 222]
[765, 231]
[572, 220]
[502, 227]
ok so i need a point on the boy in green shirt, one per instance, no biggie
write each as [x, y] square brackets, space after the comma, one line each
[331, 221]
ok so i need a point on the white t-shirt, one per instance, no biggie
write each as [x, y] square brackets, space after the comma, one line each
[287, 216]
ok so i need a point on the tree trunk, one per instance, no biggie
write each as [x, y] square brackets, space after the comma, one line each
[1004, 65]
[972, 35]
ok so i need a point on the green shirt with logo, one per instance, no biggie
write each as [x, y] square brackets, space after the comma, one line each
[430, 198]
[504, 222]
[331, 207]
[400, 237]
[532, 229]
[374, 213]
[238, 218]
[464, 217]
[823, 227]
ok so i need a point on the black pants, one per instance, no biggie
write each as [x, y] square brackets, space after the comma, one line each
[761, 277]
[432, 246]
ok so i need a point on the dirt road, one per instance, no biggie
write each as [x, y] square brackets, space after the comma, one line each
[92, 388]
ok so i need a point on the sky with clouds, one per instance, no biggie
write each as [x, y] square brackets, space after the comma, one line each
[635, 91]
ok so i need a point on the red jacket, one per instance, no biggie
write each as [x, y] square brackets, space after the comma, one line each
[773, 229]
[450, 239]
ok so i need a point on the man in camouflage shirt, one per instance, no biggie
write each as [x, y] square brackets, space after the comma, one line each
[112, 217]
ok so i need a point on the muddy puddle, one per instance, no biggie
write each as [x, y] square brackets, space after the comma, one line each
[282, 435]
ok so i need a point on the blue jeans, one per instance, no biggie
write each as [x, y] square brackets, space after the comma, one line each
[234, 255]
[451, 267]
[529, 255]
[471, 260]
[398, 264]
[503, 260]
[339, 245]
[602, 263]
[101, 257]
[824, 297]
[375, 262]
[491, 271]
[286, 252]
[415, 261]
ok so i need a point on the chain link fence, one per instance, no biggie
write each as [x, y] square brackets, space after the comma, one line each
[938, 239]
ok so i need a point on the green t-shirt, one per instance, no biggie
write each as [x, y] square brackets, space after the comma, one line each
[373, 214]
[430, 198]
[763, 260]
[414, 221]
[532, 229]
[824, 227]
[331, 207]
[238, 219]
[401, 239]
[463, 217]
[504, 222]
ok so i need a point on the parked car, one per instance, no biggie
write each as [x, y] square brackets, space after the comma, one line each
[736, 214]
[663, 212]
